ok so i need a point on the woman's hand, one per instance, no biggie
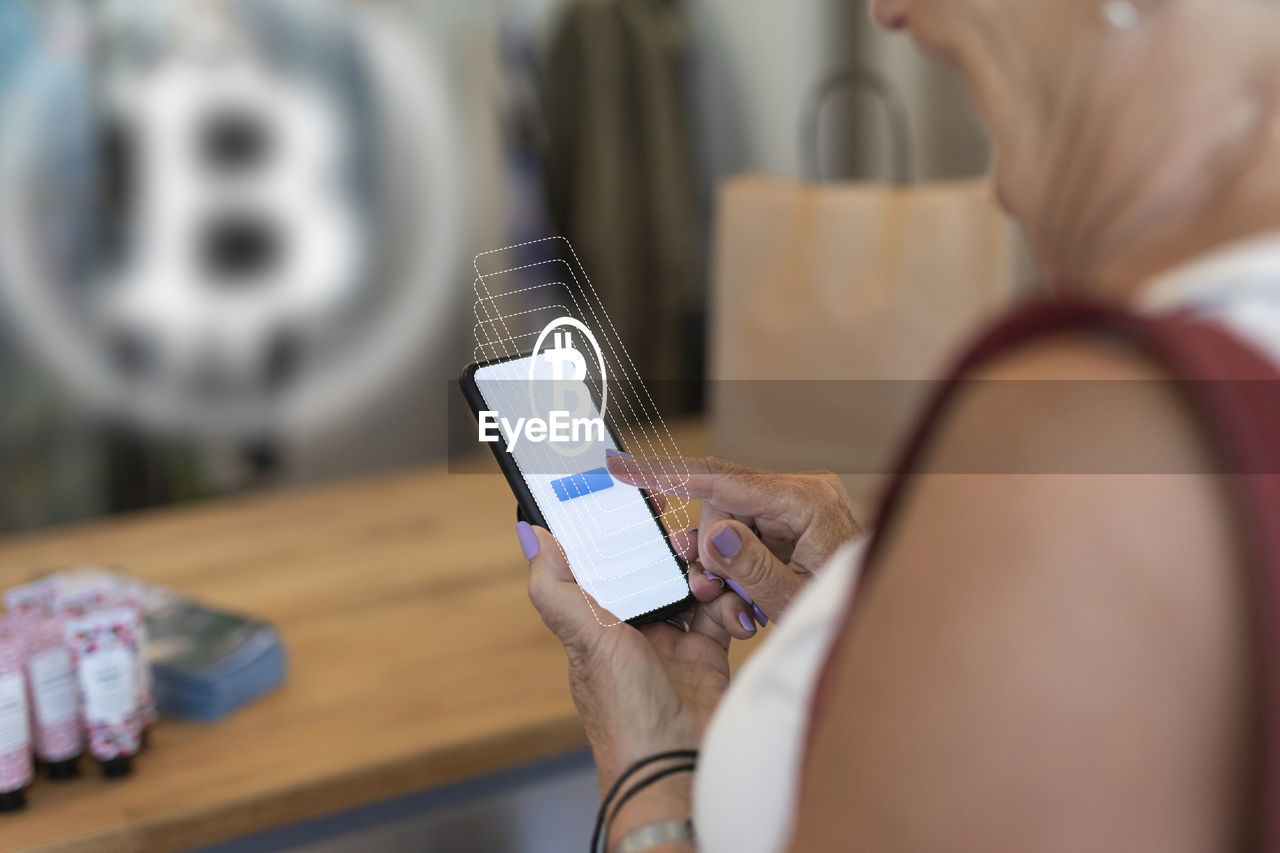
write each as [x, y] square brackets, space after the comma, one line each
[800, 519]
[639, 691]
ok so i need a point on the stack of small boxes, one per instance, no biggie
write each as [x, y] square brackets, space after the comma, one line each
[89, 658]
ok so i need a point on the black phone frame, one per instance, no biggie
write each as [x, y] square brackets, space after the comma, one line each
[528, 507]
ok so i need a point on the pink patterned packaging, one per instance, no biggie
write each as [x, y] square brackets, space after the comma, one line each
[146, 685]
[88, 590]
[38, 598]
[16, 771]
[55, 696]
[105, 647]
[81, 595]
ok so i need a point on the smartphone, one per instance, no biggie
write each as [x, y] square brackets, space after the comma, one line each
[611, 533]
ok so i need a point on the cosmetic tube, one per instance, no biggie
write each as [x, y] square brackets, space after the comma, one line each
[16, 771]
[104, 646]
[148, 713]
[55, 696]
[91, 590]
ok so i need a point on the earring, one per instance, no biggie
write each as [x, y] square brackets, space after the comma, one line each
[1120, 14]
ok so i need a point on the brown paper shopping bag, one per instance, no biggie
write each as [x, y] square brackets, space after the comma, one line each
[832, 304]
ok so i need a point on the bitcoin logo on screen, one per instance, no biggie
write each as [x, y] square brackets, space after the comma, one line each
[560, 378]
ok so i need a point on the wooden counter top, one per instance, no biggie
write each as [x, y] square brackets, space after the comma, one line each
[415, 657]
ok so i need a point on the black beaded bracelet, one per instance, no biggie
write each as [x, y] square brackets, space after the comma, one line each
[598, 831]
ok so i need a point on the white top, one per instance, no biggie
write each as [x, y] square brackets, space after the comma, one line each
[749, 770]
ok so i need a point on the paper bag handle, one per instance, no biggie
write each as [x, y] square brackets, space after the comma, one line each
[885, 93]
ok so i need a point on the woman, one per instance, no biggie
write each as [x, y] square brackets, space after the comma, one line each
[1071, 660]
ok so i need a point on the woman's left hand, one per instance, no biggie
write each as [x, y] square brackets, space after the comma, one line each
[639, 691]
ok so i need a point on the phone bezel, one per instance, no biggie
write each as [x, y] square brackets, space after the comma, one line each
[524, 498]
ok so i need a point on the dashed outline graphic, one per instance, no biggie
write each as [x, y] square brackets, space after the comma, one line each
[655, 451]
[592, 518]
[503, 344]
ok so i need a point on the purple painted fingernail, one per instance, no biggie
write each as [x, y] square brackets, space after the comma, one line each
[727, 542]
[760, 617]
[747, 624]
[733, 585]
[609, 451]
[715, 578]
[528, 539]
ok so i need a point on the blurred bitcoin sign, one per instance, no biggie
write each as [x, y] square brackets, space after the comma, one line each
[252, 173]
[245, 242]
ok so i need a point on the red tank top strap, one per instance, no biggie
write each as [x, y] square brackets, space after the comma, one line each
[1235, 392]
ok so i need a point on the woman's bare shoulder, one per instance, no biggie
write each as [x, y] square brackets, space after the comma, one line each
[1071, 404]
[1054, 652]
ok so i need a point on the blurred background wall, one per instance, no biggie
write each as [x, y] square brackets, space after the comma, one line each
[489, 139]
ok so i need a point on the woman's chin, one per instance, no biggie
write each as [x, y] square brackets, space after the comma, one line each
[1000, 188]
[1006, 182]
[1002, 199]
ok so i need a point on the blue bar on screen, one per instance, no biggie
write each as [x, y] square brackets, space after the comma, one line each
[577, 485]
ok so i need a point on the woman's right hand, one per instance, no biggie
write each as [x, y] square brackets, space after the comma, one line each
[763, 534]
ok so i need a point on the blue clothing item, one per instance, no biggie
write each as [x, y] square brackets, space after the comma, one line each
[17, 39]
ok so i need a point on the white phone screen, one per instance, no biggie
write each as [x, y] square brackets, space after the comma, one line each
[617, 551]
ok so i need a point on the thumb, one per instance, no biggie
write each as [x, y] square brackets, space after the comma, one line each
[732, 552]
[564, 606]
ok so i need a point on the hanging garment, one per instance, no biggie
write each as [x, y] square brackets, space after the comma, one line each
[621, 179]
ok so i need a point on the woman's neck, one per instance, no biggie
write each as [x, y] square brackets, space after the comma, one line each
[1250, 207]
[1171, 177]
